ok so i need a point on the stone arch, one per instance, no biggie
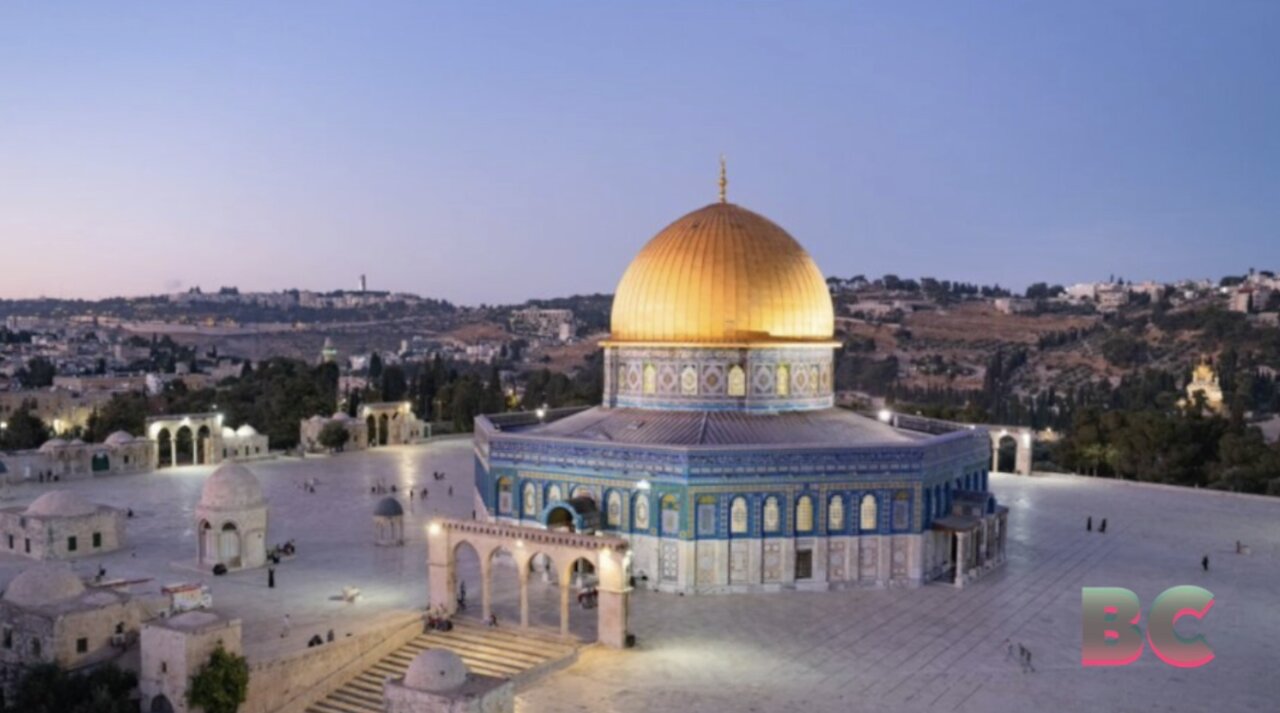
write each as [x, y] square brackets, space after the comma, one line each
[164, 450]
[1011, 449]
[184, 446]
[230, 544]
[202, 446]
[371, 430]
[384, 429]
[160, 704]
[562, 552]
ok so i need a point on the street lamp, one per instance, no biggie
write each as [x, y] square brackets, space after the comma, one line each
[541, 411]
[885, 415]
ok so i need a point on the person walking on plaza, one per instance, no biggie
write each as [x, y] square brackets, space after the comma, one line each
[1204, 562]
[1088, 524]
[284, 632]
[271, 577]
[1103, 527]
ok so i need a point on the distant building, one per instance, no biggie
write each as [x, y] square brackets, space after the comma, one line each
[1241, 300]
[1112, 297]
[1014, 305]
[1204, 380]
[549, 323]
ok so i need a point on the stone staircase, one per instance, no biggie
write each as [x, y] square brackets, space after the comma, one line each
[500, 653]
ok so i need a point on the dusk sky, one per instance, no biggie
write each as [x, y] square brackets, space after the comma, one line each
[495, 152]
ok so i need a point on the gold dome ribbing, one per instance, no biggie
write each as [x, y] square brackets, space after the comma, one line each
[720, 275]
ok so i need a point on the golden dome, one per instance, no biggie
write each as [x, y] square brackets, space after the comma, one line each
[720, 275]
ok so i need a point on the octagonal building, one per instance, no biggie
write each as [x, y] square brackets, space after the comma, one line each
[718, 451]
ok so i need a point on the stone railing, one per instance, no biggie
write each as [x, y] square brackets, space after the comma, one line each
[532, 535]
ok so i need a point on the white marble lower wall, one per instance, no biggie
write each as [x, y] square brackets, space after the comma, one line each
[770, 564]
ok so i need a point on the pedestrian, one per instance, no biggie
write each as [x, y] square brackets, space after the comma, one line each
[1238, 547]
[1204, 562]
[1088, 525]
[450, 491]
[285, 630]
[1008, 650]
[271, 578]
[1103, 527]
[329, 637]
[1029, 666]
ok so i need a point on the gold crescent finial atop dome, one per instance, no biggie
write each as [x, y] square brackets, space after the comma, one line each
[724, 182]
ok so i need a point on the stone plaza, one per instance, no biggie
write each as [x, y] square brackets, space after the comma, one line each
[935, 648]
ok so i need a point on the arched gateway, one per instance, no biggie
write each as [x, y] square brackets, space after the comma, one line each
[609, 556]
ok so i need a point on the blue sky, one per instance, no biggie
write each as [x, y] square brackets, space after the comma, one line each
[493, 152]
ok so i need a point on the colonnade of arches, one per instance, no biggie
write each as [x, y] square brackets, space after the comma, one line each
[542, 565]
[183, 445]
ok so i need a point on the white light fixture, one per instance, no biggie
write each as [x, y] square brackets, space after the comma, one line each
[643, 485]
[434, 528]
[885, 415]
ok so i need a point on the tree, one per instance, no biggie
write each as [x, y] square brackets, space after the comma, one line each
[394, 387]
[124, 412]
[23, 430]
[37, 374]
[48, 689]
[334, 436]
[375, 367]
[222, 684]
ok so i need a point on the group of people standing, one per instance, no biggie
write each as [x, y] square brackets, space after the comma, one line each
[1102, 526]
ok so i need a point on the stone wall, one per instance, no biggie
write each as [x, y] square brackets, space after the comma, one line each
[291, 683]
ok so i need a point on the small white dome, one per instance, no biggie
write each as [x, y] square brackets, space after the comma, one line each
[44, 584]
[60, 503]
[77, 442]
[119, 438]
[52, 444]
[341, 416]
[435, 670]
[228, 432]
[232, 486]
[245, 431]
[388, 507]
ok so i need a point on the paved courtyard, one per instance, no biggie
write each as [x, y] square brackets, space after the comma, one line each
[936, 648]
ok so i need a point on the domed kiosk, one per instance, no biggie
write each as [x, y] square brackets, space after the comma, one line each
[717, 452]
[388, 522]
[231, 519]
[437, 681]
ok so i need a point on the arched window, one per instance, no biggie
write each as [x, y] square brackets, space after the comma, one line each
[670, 515]
[784, 380]
[772, 516]
[613, 509]
[868, 515]
[738, 516]
[554, 493]
[650, 379]
[642, 511]
[835, 514]
[689, 381]
[901, 510]
[504, 496]
[737, 381]
[706, 516]
[530, 500]
[804, 514]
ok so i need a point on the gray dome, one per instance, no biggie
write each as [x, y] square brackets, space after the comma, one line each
[435, 671]
[119, 438]
[60, 503]
[44, 584]
[388, 507]
[232, 487]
